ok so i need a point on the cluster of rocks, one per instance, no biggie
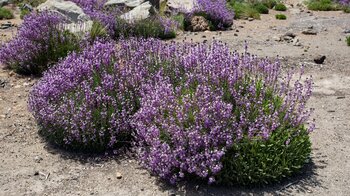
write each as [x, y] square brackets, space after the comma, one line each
[135, 9]
[4, 2]
[288, 37]
[6, 25]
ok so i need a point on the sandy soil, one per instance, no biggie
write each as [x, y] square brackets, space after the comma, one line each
[30, 166]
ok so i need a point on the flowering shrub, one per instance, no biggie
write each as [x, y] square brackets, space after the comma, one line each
[85, 101]
[38, 43]
[156, 26]
[193, 109]
[215, 109]
[213, 10]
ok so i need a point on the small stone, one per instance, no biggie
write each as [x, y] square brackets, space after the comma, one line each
[290, 34]
[277, 38]
[36, 173]
[309, 32]
[203, 36]
[237, 30]
[235, 34]
[37, 159]
[319, 59]
[347, 31]
[171, 193]
[250, 19]
[119, 175]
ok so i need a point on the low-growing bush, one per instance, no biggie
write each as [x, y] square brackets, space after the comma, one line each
[244, 10]
[5, 13]
[84, 102]
[38, 44]
[281, 17]
[280, 7]
[348, 40]
[269, 3]
[261, 8]
[194, 110]
[228, 118]
[215, 11]
[321, 5]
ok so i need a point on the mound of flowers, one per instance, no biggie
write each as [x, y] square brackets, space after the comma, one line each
[192, 110]
[214, 11]
[39, 43]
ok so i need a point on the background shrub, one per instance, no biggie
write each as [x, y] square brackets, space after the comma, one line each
[38, 44]
[348, 40]
[5, 13]
[214, 11]
[280, 7]
[321, 5]
[244, 10]
[261, 8]
[269, 3]
[281, 17]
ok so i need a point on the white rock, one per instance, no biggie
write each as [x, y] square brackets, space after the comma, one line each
[186, 5]
[67, 8]
[138, 13]
[127, 3]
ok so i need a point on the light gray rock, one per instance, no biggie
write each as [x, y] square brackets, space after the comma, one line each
[309, 31]
[127, 3]
[181, 4]
[67, 8]
[3, 2]
[138, 13]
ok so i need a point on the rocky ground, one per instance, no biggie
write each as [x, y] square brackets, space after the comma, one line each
[30, 166]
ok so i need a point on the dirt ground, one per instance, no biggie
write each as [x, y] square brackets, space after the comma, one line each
[30, 166]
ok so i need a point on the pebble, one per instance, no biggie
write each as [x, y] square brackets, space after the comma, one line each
[319, 59]
[309, 32]
[119, 175]
[38, 159]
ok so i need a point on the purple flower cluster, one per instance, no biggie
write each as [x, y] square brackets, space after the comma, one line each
[186, 104]
[86, 100]
[210, 98]
[32, 40]
[215, 11]
[344, 2]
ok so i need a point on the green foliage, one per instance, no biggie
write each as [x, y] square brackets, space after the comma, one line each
[180, 18]
[262, 162]
[321, 5]
[24, 12]
[244, 10]
[150, 27]
[261, 8]
[97, 30]
[269, 3]
[280, 7]
[33, 3]
[281, 17]
[348, 40]
[5, 13]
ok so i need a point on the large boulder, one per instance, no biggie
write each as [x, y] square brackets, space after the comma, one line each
[140, 12]
[185, 5]
[72, 11]
[127, 3]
